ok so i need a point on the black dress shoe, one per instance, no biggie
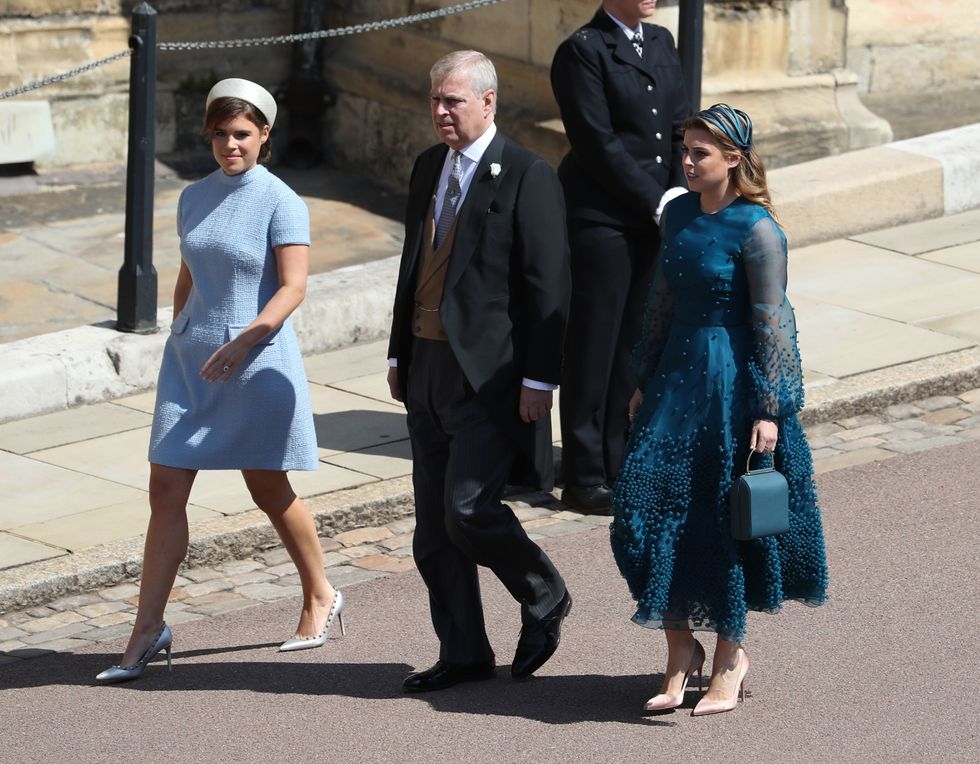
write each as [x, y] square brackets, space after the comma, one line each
[444, 675]
[539, 640]
[589, 499]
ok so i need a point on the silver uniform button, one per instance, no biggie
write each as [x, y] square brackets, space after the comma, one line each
[660, 159]
[654, 112]
[659, 136]
[649, 88]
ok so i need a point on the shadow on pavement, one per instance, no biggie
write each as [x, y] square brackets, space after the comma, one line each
[548, 699]
[355, 429]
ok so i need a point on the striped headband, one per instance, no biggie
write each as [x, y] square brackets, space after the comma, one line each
[732, 122]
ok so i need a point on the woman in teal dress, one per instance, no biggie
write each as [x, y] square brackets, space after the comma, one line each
[719, 376]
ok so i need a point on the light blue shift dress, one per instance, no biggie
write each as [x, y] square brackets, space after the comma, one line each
[261, 417]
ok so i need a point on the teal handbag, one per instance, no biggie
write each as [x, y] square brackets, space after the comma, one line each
[759, 503]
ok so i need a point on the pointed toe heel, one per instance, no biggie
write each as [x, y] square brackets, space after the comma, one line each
[708, 706]
[665, 700]
[162, 642]
[308, 643]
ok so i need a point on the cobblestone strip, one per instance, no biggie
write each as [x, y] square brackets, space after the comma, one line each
[375, 552]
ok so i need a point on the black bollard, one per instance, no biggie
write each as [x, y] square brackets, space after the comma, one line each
[690, 41]
[136, 307]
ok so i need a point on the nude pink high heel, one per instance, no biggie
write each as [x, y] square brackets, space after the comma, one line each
[705, 706]
[666, 700]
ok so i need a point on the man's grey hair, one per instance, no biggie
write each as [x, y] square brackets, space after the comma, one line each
[482, 74]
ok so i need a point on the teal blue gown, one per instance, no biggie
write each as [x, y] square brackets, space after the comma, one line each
[718, 352]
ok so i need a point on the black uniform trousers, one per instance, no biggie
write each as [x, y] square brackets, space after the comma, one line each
[612, 269]
[461, 462]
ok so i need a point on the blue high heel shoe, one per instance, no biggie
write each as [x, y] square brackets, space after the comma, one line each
[164, 640]
[307, 643]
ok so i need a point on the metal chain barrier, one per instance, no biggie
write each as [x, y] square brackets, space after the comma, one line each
[64, 75]
[369, 26]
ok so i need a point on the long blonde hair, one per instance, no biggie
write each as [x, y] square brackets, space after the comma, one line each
[749, 176]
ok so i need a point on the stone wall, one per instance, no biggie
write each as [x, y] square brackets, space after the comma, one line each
[918, 61]
[43, 37]
[796, 65]
[780, 60]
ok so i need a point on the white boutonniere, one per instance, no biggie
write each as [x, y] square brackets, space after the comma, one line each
[494, 169]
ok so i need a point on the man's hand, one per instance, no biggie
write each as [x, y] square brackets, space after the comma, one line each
[393, 384]
[534, 403]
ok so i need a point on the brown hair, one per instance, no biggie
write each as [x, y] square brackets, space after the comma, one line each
[223, 109]
[749, 177]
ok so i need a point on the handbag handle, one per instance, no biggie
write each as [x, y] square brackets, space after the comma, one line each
[750, 471]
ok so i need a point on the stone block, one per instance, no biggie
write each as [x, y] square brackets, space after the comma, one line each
[946, 416]
[385, 563]
[902, 411]
[60, 632]
[856, 445]
[11, 632]
[199, 575]
[265, 592]
[120, 592]
[26, 132]
[953, 149]
[102, 608]
[971, 396]
[195, 591]
[348, 575]
[75, 602]
[936, 403]
[237, 567]
[397, 542]
[922, 444]
[852, 459]
[111, 619]
[275, 559]
[52, 622]
[856, 192]
[362, 536]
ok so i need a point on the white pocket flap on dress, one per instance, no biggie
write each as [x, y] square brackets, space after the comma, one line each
[179, 323]
[235, 329]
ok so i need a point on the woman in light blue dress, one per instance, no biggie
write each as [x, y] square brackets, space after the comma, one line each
[720, 376]
[232, 391]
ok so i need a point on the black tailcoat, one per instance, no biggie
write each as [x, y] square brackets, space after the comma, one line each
[506, 291]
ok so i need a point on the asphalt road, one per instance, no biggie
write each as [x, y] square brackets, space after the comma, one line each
[887, 671]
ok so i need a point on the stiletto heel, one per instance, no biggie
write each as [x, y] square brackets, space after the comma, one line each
[706, 706]
[665, 700]
[306, 643]
[343, 626]
[162, 642]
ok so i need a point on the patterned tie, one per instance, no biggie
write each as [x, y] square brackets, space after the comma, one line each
[638, 43]
[450, 199]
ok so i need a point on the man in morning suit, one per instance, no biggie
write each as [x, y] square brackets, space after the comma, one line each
[475, 355]
[619, 88]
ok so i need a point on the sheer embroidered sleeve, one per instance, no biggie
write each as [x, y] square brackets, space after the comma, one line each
[777, 374]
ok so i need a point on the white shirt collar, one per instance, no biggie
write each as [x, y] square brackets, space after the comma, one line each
[475, 151]
[630, 33]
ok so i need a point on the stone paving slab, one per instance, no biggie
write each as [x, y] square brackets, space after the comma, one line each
[927, 235]
[904, 289]
[71, 426]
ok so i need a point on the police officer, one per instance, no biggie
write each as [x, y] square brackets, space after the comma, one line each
[618, 84]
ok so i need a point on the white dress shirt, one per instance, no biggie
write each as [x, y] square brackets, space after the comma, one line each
[472, 155]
